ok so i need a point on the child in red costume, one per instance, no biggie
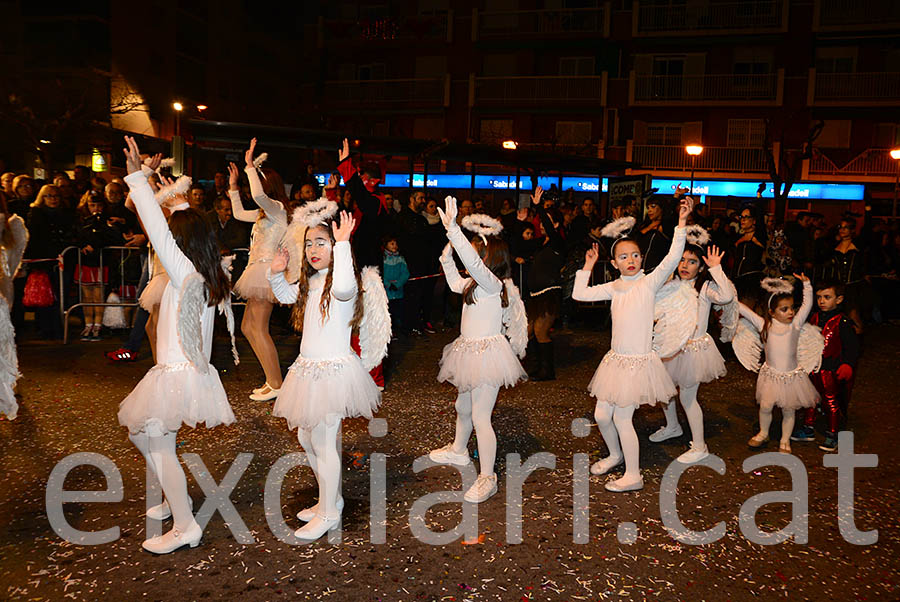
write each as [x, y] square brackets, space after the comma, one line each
[834, 380]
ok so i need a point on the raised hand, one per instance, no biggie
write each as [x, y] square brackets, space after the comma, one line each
[591, 256]
[801, 277]
[684, 210]
[713, 256]
[522, 214]
[153, 162]
[132, 155]
[343, 231]
[248, 155]
[680, 192]
[345, 151]
[536, 197]
[333, 182]
[448, 214]
[280, 261]
[234, 176]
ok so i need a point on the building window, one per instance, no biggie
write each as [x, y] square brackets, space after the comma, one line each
[746, 132]
[664, 134]
[836, 134]
[496, 130]
[887, 135]
[836, 60]
[573, 132]
[576, 65]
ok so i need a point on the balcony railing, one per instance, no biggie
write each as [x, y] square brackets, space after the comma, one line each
[378, 92]
[707, 89]
[871, 162]
[857, 14]
[709, 17]
[387, 29]
[713, 159]
[855, 88]
[542, 23]
[590, 90]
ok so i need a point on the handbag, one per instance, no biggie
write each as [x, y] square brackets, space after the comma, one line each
[38, 290]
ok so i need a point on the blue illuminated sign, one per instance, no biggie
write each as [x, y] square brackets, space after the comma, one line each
[702, 188]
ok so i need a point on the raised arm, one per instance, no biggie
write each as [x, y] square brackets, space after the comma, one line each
[720, 291]
[584, 292]
[343, 280]
[806, 305]
[234, 194]
[467, 253]
[274, 209]
[665, 268]
[456, 282]
[365, 201]
[752, 317]
[285, 292]
[176, 264]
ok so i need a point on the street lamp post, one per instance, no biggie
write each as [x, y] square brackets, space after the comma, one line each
[178, 109]
[895, 155]
[693, 150]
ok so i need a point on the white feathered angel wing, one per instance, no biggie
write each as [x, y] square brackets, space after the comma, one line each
[675, 317]
[728, 319]
[226, 309]
[14, 253]
[515, 320]
[809, 348]
[295, 242]
[9, 364]
[375, 327]
[190, 307]
[747, 345]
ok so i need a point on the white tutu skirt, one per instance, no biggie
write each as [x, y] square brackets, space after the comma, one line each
[253, 283]
[8, 404]
[699, 361]
[631, 380]
[315, 388]
[170, 395]
[787, 390]
[153, 292]
[470, 363]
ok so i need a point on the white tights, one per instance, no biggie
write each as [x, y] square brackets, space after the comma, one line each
[159, 452]
[787, 422]
[474, 409]
[688, 397]
[321, 446]
[615, 427]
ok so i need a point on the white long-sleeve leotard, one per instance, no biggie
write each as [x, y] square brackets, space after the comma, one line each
[269, 222]
[718, 291]
[782, 339]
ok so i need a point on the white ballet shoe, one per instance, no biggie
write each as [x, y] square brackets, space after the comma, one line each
[446, 455]
[606, 464]
[162, 511]
[174, 539]
[695, 454]
[665, 433]
[267, 394]
[317, 527]
[260, 389]
[308, 514]
[484, 487]
[622, 484]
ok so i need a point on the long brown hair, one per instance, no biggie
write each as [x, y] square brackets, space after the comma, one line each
[198, 242]
[495, 255]
[299, 309]
[703, 275]
[767, 315]
[273, 185]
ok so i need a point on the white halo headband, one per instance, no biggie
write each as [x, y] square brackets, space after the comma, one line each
[776, 286]
[179, 186]
[697, 235]
[315, 213]
[483, 225]
[618, 229]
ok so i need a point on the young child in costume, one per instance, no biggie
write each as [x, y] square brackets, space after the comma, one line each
[328, 381]
[270, 223]
[631, 373]
[834, 380]
[698, 361]
[395, 274]
[183, 387]
[13, 240]
[792, 350]
[481, 359]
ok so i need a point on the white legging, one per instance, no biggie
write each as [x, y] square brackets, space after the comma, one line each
[787, 422]
[320, 445]
[474, 409]
[159, 452]
[688, 397]
[615, 427]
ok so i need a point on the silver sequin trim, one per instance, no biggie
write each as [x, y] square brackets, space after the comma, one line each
[314, 369]
[771, 373]
[695, 345]
[627, 362]
[475, 346]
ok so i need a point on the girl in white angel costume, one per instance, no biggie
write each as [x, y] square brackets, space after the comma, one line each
[698, 360]
[183, 387]
[482, 359]
[793, 349]
[13, 239]
[328, 381]
[631, 373]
